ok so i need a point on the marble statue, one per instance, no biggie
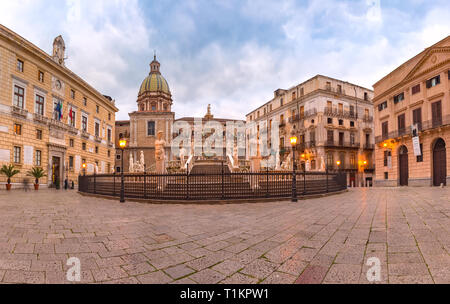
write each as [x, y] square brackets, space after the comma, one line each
[277, 160]
[131, 166]
[182, 156]
[160, 153]
[308, 165]
[322, 164]
[235, 157]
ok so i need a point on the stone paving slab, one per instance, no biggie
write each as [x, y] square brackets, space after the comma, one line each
[323, 240]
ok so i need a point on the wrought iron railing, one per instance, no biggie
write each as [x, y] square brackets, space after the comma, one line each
[217, 186]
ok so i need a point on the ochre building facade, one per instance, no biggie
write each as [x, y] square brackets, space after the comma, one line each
[333, 121]
[414, 100]
[49, 116]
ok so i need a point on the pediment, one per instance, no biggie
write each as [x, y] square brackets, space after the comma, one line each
[433, 58]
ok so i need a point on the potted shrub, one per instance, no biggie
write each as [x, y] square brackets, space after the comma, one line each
[9, 171]
[37, 173]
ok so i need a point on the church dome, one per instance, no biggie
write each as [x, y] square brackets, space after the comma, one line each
[154, 82]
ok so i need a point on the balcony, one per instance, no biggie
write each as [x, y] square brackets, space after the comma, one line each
[282, 124]
[40, 118]
[58, 124]
[97, 138]
[341, 144]
[333, 112]
[110, 143]
[19, 111]
[73, 130]
[423, 126]
[367, 118]
[302, 116]
[85, 134]
[367, 146]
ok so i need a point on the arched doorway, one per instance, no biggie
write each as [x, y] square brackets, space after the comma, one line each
[439, 163]
[403, 165]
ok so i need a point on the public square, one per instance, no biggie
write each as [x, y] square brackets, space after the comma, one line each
[321, 240]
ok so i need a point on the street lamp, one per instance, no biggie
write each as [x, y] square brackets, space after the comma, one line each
[122, 145]
[84, 168]
[293, 140]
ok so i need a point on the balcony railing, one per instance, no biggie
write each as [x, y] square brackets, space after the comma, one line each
[333, 112]
[40, 118]
[367, 146]
[341, 144]
[58, 124]
[97, 138]
[19, 111]
[85, 134]
[306, 114]
[426, 125]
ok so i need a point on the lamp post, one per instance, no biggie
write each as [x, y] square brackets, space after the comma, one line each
[293, 140]
[122, 145]
[84, 169]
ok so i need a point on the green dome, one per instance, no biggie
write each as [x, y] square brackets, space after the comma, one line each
[154, 82]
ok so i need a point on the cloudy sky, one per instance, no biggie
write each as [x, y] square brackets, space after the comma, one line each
[230, 53]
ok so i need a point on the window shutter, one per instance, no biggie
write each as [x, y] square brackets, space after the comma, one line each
[428, 84]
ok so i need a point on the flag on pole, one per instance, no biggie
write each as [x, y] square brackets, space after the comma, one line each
[71, 115]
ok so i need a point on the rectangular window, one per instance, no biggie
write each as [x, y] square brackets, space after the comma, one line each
[97, 129]
[96, 149]
[109, 153]
[382, 106]
[109, 116]
[17, 129]
[330, 120]
[118, 156]
[281, 102]
[57, 109]
[38, 157]
[109, 134]
[19, 93]
[330, 162]
[19, 65]
[401, 124]
[384, 130]
[352, 111]
[415, 89]
[70, 162]
[433, 81]
[17, 155]
[97, 109]
[72, 117]
[341, 138]
[151, 128]
[387, 153]
[84, 101]
[352, 124]
[330, 136]
[118, 169]
[38, 134]
[436, 110]
[302, 92]
[417, 118]
[41, 76]
[352, 138]
[399, 98]
[386, 175]
[341, 122]
[84, 123]
[71, 142]
[366, 96]
[39, 107]
[72, 94]
[339, 88]
[83, 146]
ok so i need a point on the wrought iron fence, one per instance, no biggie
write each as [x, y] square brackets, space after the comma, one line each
[217, 186]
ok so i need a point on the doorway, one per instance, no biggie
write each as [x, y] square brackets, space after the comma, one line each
[439, 163]
[403, 165]
[56, 166]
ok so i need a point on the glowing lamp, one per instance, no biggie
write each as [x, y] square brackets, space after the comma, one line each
[122, 143]
[293, 140]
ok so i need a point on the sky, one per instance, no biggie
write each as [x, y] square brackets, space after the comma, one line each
[232, 54]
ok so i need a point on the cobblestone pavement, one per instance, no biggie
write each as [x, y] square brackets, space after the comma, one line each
[323, 240]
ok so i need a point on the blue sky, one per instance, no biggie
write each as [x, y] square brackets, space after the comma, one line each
[232, 54]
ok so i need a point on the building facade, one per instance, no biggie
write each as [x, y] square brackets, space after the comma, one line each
[413, 101]
[49, 116]
[154, 115]
[333, 121]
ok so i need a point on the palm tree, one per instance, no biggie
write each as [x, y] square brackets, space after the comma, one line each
[37, 173]
[9, 171]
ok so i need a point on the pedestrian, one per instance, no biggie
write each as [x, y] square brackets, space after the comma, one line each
[26, 185]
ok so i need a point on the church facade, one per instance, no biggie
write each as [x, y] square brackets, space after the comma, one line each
[154, 116]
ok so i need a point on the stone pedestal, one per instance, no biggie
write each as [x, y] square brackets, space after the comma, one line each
[255, 164]
[160, 168]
